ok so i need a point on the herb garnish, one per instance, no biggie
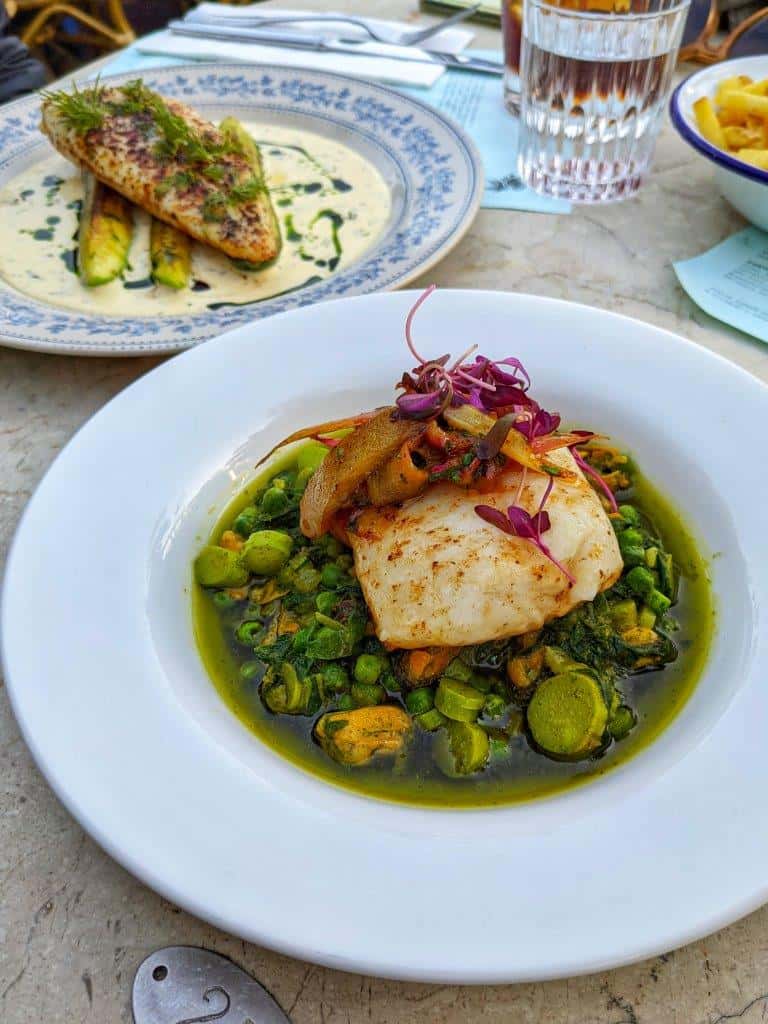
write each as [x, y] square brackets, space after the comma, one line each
[177, 139]
[82, 109]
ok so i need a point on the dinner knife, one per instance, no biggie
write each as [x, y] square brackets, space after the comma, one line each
[460, 61]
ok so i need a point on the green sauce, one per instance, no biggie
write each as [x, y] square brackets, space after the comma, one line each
[523, 774]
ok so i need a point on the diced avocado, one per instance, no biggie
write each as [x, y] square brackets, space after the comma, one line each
[568, 715]
[170, 251]
[106, 230]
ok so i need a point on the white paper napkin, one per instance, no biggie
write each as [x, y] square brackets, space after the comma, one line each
[373, 60]
[373, 65]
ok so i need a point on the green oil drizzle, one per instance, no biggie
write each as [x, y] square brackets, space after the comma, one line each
[315, 279]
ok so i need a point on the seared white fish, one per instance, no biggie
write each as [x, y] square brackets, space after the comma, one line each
[434, 573]
[171, 162]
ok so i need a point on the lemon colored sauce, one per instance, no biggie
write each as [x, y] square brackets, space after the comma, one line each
[657, 697]
[331, 203]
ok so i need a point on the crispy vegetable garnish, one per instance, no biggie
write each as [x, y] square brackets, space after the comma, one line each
[397, 480]
[477, 423]
[318, 430]
[354, 737]
[350, 464]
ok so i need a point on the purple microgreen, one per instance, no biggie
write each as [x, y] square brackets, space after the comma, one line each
[409, 321]
[538, 424]
[418, 406]
[585, 467]
[519, 523]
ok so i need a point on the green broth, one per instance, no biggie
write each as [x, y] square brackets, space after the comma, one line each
[523, 774]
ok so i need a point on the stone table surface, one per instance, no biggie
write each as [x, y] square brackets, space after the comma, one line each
[74, 926]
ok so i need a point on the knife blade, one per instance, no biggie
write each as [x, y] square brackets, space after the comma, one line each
[293, 40]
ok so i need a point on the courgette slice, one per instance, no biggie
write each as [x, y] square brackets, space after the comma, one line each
[239, 134]
[458, 701]
[568, 715]
[106, 230]
[462, 748]
[170, 251]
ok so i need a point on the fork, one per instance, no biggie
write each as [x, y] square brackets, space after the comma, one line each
[381, 34]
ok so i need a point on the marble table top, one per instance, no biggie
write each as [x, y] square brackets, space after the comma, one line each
[74, 926]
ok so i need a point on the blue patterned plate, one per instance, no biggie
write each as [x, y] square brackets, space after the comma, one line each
[430, 166]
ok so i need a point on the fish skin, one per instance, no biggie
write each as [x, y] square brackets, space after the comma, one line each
[434, 573]
[121, 154]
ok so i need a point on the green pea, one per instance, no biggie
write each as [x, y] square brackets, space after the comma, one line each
[223, 600]
[249, 633]
[274, 501]
[330, 575]
[266, 552]
[325, 602]
[335, 677]
[622, 723]
[246, 521]
[367, 694]
[346, 703]
[494, 706]
[368, 668]
[421, 700]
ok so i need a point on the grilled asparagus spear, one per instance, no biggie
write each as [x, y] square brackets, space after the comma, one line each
[170, 251]
[106, 230]
[236, 131]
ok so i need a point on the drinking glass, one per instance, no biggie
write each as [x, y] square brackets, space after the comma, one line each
[594, 88]
[512, 37]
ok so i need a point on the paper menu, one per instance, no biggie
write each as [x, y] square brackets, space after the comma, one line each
[730, 282]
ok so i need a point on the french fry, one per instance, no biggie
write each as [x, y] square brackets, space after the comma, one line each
[756, 157]
[758, 88]
[744, 103]
[739, 137]
[730, 84]
[706, 119]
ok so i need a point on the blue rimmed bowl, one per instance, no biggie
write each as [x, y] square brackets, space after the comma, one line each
[743, 185]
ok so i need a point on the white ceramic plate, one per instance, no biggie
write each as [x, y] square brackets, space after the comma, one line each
[431, 167]
[743, 185]
[115, 705]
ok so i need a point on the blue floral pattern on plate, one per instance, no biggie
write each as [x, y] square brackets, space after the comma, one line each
[435, 171]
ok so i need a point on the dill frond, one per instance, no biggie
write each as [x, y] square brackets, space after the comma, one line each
[81, 109]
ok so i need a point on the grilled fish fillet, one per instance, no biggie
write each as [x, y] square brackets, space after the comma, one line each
[433, 573]
[122, 152]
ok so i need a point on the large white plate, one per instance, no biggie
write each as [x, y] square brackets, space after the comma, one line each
[430, 165]
[116, 707]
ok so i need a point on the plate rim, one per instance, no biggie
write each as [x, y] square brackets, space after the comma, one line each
[359, 964]
[463, 222]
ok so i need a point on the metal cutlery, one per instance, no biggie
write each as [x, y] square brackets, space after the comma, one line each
[297, 41]
[184, 985]
[380, 34]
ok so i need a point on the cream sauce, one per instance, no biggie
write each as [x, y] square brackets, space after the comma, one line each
[332, 204]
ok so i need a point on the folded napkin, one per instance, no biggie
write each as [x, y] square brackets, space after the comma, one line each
[374, 60]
